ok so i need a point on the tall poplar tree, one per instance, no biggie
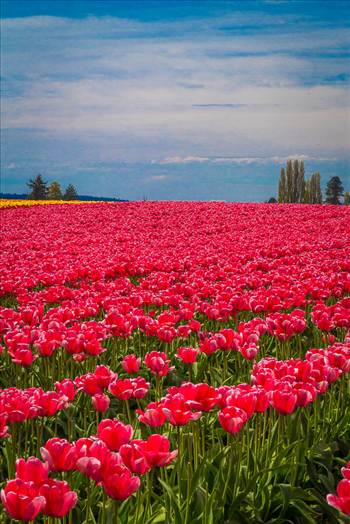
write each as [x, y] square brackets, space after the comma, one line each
[289, 176]
[282, 186]
[301, 182]
[318, 192]
[295, 182]
[307, 192]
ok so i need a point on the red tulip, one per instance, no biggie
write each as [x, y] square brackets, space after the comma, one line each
[140, 387]
[232, 419]
[134, 458]
[120, 484]
[306, 393]
[101, 402]
[60, 454]
[121, 388]
[59, 498]
[158, 363]
[66, 387]
[187, 355]
[114, 433]
[245, 400]
[262, 400]
[50, 402]
[94, 458]
[22, 500]
[153, 416]
[156, 450]
[197, 396]
[341, 501]
[178, 411]
[3, 425]
[346, 471]
[284, 400]
[32, 469]
[131, 364]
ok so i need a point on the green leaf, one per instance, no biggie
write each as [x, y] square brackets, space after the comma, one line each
[175, 502]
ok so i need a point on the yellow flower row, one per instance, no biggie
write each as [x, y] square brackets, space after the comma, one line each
[19, 203]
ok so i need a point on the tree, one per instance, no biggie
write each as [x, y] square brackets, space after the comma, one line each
[289, 192]
[295, 182]
[301, 182]
[346, 198]
[334, 190]
[70, 193]
[291, 186]
[38, 188]
[313, 193]
[54, 191]
[282, 186]
[317, 193]
[272, 200]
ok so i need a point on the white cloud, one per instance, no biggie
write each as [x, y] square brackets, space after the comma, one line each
[126, 80]
[181, 160]
[240, 160]
[159, 178]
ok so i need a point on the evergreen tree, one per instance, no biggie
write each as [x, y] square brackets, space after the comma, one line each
[38, 188]
[54, 191]
[346, 198]
[70, 193]
[282, 186]
[334, 190]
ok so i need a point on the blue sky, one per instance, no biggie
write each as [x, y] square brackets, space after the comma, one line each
[173, 100]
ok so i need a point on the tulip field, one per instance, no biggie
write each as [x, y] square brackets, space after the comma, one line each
[175, 362]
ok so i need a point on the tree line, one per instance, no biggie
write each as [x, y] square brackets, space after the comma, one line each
[293, 188]
[40, 190]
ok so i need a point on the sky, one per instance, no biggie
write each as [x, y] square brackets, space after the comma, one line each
[175, 100]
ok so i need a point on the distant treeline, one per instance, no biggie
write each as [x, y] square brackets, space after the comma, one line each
[15, 196]
[40, 190]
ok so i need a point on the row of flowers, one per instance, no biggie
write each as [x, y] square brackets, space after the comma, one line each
[284, 385]
[112, 459]
[28, 334]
